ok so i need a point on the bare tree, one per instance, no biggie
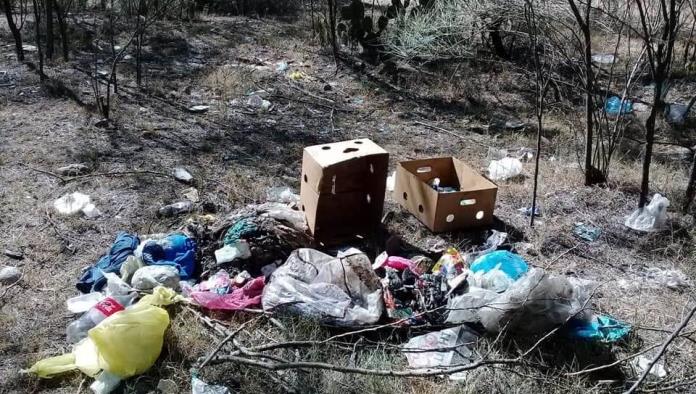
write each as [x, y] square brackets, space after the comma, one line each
[14, 29]
[659, 23]
[592, 175]
[62, 7]
[48, 5]
[39, 49]
[541, 85]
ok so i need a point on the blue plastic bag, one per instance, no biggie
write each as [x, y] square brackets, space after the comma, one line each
[511, 264]
[613, 106]
[176, 250]
[93, 278]
[601, 328]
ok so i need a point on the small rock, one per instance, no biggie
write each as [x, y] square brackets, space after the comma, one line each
[281, 67]
[13, 254]
[257, 102]
[199, 109]
[182, 175]
[73, 170]
[9, 275]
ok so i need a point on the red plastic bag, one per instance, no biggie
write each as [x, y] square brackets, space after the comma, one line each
[243, 297]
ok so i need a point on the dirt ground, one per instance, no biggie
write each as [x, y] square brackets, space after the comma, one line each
[236, 151]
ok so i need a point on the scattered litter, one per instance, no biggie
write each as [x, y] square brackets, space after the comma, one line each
[281, 67]
[191, 194]
[603, 58]
[176, 209]
[93, 279]
[651, 217]
[167, 386]
[677, 114]
[73, 170]
[527, 211]
[77, 330]
[598, 328]
[83, 302]
[149, 277]
[587, 232]
[199, 109]
[29, 48]
[182, 175]
[536, 302]
[257, 102]
[105, 383]
[239, 250]
[497, 270]
[297, 75]
[449, 347]
[450, 265]
[283, 195]
[222, 293]
[342, 291]
[71, 204]
[505, 168]
[613, 106]
[176, 250]
[13, 254]
[642, 363]
[200, 387]
[9, 275]
[672, 279]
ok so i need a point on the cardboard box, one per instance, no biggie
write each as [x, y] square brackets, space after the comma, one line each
[343, 186]
[472, 206]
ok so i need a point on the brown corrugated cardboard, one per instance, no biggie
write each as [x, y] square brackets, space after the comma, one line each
[472, 206]
[343, 184]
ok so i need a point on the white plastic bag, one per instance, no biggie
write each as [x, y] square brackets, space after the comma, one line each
[342, 291]
[237, 251]
[151, 276]
[83, 302]
[458, 341]
[73, 203]
[200, 387]
[284, 213]
[505, 168]
[651, 217]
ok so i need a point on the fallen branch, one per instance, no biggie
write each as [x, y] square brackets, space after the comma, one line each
[118, 173]
[229, 337]
[662, 351]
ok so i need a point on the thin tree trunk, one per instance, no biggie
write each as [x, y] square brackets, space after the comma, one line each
[16, 34]
[39, 50]
[332, 27]
[49, 29]
[63, 28]
[649, 141]
[690, 187]
[590, 172]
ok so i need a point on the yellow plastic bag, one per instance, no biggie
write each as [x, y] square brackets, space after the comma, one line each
[126, 343]
[83, 357]
[130, 342]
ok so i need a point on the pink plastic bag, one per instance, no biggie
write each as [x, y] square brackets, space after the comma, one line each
[238, 298]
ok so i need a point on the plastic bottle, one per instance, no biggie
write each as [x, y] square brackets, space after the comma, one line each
[84, 302]
[77, 330]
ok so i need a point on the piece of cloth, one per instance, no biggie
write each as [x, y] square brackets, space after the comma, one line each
[93, 278]
[600, 328]
[243, 297]
[176, 250]
[239, 230]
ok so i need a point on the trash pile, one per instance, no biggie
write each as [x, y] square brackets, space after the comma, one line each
[266, 258]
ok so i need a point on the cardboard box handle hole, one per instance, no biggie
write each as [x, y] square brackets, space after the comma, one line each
[422, 170]
[305, 178]
[369, 199]
[450, 218]
[420, 208]
[405, 196]
[479, 215]
[325, 147]
[468, 201]
[358, 142]
[349, 150]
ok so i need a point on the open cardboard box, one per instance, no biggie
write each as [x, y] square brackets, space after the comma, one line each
[470, 207]
[343, 187]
